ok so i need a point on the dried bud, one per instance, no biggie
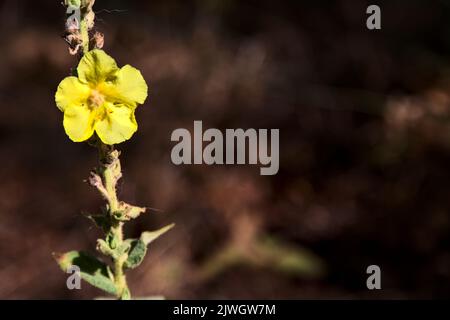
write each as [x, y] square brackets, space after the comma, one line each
[95, 180]
[127, 212]
[74, 51]
[99, 40]
[89, 18]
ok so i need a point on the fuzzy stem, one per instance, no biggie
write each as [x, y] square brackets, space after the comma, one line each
[123, 293]
[110, 171]
[84, 30]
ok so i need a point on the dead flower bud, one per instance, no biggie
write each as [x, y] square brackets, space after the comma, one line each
[99, 40]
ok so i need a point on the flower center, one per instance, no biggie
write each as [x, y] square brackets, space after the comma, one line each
[96, 99]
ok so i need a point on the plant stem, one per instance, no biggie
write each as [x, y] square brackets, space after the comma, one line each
[84, 36]
[110, 172]
[86, 24]
[123, 293]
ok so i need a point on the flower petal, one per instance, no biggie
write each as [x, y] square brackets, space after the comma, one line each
[129, 87]
[118, 124]
[71, 92]
[78, 123]
[96, 66]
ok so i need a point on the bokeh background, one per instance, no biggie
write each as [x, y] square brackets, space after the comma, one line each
[364, 150]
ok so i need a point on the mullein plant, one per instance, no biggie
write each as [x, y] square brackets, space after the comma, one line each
[99, 101]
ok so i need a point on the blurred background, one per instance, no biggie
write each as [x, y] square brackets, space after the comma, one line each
[364, 148]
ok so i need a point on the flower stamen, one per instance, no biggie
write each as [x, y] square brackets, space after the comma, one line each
[96, 99]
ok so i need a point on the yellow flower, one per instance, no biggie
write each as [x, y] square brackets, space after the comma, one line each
[102, 98]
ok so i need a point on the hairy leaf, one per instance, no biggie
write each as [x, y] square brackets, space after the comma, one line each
[137, 252]
[149, 236]
[93, 271]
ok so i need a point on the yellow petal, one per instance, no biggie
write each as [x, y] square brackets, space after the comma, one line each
[129, 87]
[71, 92]
[78, 123]
[118, 124]
[96, 66]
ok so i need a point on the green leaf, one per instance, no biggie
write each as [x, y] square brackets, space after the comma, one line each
[138, 247]
[137, 252]
[149, 236]
[93, 271]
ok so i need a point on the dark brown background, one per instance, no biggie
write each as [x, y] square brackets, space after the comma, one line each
[365, 148]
